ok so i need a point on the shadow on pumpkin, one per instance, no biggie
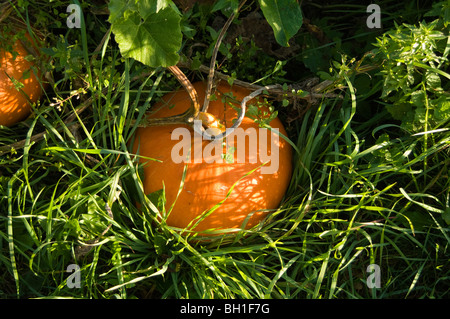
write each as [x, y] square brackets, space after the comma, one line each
[239, 188]
[207, 185]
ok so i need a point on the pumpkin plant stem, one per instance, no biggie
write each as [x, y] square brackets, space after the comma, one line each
[181, 77]
[238, 122]
[191, 114]
[214, 56]
[194, 112]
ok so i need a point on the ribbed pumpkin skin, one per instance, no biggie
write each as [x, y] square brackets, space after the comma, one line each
[14, 104]
[207, 184]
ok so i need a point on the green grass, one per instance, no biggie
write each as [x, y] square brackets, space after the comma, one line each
[363, 192]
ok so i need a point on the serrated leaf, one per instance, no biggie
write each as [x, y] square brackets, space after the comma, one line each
[284, 16]
[148, 33]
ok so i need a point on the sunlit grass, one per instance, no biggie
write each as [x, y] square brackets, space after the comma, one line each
[363, 192]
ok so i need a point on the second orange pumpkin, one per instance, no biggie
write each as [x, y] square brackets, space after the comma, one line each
[19, 87]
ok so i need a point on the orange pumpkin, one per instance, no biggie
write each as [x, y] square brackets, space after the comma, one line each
[241, 194]
[16, 98]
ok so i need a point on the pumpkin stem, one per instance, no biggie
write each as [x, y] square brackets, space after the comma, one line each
[206, 133]
[188, 116]
[181, 77]
[210, 120]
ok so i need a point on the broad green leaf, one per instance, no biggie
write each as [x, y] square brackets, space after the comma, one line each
[147, 31]
[152, 6]
[117, 8]
[284, 16]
